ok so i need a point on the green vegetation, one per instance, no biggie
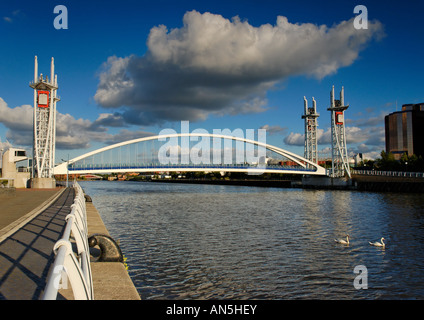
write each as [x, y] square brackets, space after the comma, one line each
[387, 162]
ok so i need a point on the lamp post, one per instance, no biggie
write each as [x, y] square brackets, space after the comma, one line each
[67, 170]
[1, 158]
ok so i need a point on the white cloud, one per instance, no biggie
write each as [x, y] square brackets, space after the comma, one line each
[5, 145]
[211, 42]
[273, 129]
[71, 133]
[125, 135]
[15, 14]
[212, 65]
[19, 118]
[366, 140]
[372, 152]
[298, 139]
[354, 135]
[295, 139]
[370, 120]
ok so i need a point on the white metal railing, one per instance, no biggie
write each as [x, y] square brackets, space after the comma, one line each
[389, 173]
[68, 264]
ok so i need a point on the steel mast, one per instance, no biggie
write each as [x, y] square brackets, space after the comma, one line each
[45, 99]
[340, 162]
[311, 124]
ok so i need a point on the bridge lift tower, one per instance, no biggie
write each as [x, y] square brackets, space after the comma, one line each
[340, 162]
[45, 99]
[311, 124]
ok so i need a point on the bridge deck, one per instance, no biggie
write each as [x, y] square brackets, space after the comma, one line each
[164, 168]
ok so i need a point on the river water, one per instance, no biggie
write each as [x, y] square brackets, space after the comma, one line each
[187, 241]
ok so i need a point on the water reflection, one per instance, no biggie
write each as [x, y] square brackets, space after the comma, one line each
[231, 242]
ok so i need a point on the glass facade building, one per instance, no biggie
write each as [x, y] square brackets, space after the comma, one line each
[405, 131]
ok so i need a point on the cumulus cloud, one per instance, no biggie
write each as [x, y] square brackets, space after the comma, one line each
[295, 139]
[367, 135]
[371, 117]
[273, 129]
[216, 66]
[71, 133]
[125, 135]
[298, 139]
[5, 145]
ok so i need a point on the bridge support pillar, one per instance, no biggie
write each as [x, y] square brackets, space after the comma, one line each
[43, 183]
[318, 182]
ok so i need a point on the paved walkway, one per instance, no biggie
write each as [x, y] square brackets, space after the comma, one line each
[14, 205]
[29, 228]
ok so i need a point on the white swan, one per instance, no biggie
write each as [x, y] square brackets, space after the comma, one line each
[343, 241]
[378, 244]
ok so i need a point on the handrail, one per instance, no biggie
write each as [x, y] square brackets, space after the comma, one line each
[190, 166]
[68, 264]
[389, 173]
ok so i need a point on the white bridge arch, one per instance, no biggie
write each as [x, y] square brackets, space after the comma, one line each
[87, 163]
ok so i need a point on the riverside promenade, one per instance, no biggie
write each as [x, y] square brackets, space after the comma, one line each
[31, 221]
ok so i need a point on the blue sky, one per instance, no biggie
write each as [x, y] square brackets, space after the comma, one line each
[121, 75]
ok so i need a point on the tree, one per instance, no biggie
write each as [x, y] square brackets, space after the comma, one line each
[410, 163]
[387, 162]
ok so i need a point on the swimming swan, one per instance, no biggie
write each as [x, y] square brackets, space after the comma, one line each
[343, 241]
[378, 244]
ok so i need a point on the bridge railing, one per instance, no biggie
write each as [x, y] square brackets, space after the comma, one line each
[389, 173]
[193, 166]
[68, 264]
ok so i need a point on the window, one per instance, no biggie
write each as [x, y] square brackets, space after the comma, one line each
[20, 153]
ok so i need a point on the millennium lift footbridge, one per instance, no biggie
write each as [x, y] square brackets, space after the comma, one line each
[214, 153]
[217, 152]
[226, 151]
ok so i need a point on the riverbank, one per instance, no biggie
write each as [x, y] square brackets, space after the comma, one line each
[388, 184]
[358, 183]
[234, 182]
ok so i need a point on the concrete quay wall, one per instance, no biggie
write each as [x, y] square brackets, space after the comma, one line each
[388, 184]
[111, 280]
[358, 182]
[365, 183]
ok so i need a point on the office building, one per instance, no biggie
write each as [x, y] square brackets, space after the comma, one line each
[405, 131]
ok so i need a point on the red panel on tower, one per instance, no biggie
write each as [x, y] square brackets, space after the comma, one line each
[43, 99]
[339, 118]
